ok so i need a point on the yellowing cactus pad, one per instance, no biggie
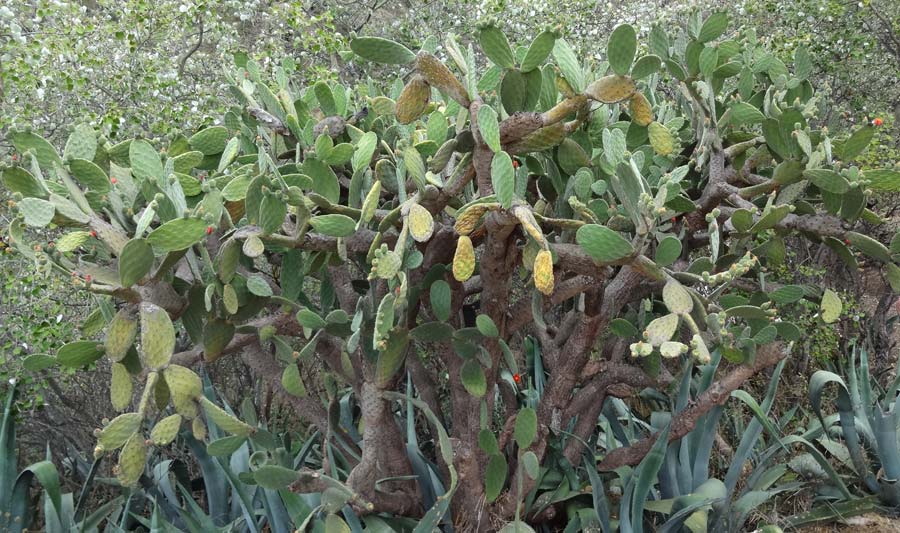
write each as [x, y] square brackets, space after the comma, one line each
[228, 423]
[121, 333]
[119, 430]
[413, 100]
[120, 388]
[157, 336]
[184, 386]
[468, 219]
[543, 272]
[611, 89]
[640, 109]
[421, 223]
[132, 460]
[165, 431]
[463, 259]
[440, 76]
[660, 139]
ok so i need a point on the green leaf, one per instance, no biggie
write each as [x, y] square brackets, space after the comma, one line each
[496, 46]
[602, 243]
[473, 379]
[713, 27]
[135, 261]
[177, 234]
[495, 476]
[503, 178]
[621, 48]
[382, 50]
[489, 127]
[526, 427]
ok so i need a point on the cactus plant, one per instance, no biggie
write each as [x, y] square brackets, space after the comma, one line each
[320, 237]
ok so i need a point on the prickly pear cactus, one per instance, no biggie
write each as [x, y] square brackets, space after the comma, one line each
[343, 241]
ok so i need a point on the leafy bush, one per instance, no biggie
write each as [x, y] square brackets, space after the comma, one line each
[518, 243]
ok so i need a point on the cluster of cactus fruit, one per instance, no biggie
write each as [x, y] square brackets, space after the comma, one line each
[356, 194]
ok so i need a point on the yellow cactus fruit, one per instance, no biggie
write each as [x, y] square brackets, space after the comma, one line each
[640, 109]
[611, 89]
[543, 272]
[421, 223]
[120, 387]
[463, 259]
[165, 431]
[660, 139]
[413, 100]
[529, 224]
[132, 460]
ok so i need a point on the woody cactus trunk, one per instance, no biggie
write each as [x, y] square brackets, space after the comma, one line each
[500, 252]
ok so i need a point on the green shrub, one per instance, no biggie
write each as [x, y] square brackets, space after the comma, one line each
[552, 232]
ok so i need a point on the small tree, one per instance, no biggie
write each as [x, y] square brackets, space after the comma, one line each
[511, 249]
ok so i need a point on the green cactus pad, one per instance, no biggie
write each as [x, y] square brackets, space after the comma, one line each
[526, 427]
[225, 421]
[677, 298]
[121, 334]
[37, 213]
[602, 243]
[210, 141]
[661, 329]
[157, 336]
[391, 358]
[144, 161]
[19, 180]
[82, 143]
[489, 127]
[119, 430]
[621, 48]
[496, 46]
[471, 374]
[503, 178]
[26, 141]
[89, 175]
[135, 261]
[165, 431]
[177, 234]
[132, 460]
[274, 477]
[79, 353]
[540, 48]
[121, 387]
[495, 474]
[382, 50]
[184, 386]
[333, 225]
[216, 335]
[291, 380]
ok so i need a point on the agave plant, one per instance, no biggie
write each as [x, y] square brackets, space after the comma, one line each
[867, 422]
